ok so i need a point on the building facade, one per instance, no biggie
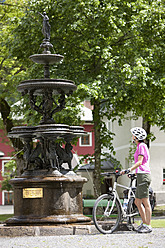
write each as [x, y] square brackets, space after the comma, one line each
[6, 150]
[122, 142]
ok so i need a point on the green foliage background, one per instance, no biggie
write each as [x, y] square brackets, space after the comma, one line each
[113, 50]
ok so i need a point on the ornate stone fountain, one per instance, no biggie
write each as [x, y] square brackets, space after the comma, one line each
[46, 193]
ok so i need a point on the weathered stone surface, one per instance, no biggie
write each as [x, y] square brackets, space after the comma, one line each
[61, 202]
[75, 229]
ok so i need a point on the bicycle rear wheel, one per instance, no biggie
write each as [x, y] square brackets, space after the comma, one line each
[106, 214]
[132, 210]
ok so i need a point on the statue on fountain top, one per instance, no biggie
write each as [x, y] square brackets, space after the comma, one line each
[46, 26]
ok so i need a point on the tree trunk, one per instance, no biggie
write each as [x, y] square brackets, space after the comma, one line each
[5, 111]
[147, 127]
[97, 168]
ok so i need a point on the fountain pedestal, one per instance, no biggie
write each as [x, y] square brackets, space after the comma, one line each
[48, 200]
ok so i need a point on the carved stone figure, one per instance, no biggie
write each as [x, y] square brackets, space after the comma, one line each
[31, 156]
[52, 155]
[64, 155]
[61, 105]
[27, 151]
[46, 26]
[46, 106]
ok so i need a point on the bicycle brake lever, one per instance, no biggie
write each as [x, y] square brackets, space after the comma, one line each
[127, 171]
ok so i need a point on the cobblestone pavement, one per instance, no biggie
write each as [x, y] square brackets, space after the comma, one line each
[121, 239]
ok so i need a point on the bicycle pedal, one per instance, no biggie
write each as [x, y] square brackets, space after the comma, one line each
[130, 227]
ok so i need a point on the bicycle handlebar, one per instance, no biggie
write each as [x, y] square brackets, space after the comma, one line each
[117, 174]
[108, 173]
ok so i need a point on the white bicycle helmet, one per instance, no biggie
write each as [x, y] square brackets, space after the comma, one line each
[139, 133]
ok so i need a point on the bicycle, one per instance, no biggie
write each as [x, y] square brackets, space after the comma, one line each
[108, 211]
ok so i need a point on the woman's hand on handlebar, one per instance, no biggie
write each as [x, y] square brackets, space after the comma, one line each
[125, 172]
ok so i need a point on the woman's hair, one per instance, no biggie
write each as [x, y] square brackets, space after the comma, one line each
[141, 141]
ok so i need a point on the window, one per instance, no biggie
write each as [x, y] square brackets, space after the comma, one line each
[7, 197]
[86, 140]
[163, 176]
[4, 169]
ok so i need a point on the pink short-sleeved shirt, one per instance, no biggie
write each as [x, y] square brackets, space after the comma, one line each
[142, 149]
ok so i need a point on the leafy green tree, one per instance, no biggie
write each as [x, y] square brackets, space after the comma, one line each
[12, 71]
[113, 50]
[10, 68]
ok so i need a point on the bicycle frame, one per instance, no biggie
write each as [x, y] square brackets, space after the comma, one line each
[109, 212]
[116, 196]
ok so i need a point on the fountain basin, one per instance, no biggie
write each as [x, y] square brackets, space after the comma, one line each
[50, 130]
[46, 58]
[38, 86]
[48, 200]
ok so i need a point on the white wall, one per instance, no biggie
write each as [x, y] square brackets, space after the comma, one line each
[88, 186]
[121, 144]
[157, 152]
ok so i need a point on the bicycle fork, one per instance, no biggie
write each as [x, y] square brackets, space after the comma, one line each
[106, 213]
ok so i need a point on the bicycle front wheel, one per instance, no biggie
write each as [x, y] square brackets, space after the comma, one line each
[106, 214]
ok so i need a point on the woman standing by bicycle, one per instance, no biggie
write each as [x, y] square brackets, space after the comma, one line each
[143, 172]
